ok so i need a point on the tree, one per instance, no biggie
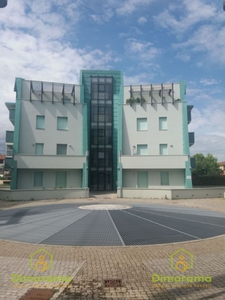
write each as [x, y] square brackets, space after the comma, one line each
[206, 165]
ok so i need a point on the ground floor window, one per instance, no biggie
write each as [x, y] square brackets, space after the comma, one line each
[38, 178]
[164, 178]
[61, 179]
[142, 179]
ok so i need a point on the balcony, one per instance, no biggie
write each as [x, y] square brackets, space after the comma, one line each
[8, 164]
[191, 136]
[9, 137]
[9, 150]
[189, 108]
[154, 161]
[12, 108]
[49, 161]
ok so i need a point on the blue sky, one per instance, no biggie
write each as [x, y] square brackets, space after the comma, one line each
[151, 41]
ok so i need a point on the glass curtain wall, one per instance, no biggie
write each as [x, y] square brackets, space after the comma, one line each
[101, 133]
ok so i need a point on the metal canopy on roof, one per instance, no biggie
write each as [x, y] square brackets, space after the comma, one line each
[64, 89]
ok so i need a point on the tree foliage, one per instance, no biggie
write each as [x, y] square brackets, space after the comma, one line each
[206, 165]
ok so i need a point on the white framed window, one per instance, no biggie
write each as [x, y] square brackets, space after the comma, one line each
[142, 149]
[163, 123]
[142, 124]
[164, 177]
[62, 123]
[163, 149]
[40, 122]
[39, 148]
[61, 149]
[38, 178]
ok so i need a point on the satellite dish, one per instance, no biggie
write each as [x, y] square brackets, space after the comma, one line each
[3, 3]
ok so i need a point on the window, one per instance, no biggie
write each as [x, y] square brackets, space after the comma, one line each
[38, 178]
[163, 123]
[62, 123]
[40, 122]
[101, 88]
[164, 178]
[142, 124]
[142, 179]
[39, 148]
[61, 149]
[61, 179]
[142, 149]
[101, 110]
[101, 132]
[163, 149]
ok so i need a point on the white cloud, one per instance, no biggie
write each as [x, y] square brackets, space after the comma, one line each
[192, 12]
[207, 123]
[142, 50]
[206, 143]
[141, 78]
[133, 31]
[129, 6]
[209, 119]
[208, 81]
[105, 15]
[209, 39]
[142, 20]
[183, 56]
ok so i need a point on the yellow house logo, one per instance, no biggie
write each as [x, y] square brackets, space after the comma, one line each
[41, 260]
[182, 260]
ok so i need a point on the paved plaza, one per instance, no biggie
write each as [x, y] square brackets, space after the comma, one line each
[135, 244]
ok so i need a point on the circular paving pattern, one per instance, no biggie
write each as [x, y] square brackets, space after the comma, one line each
[105, 207]
[82, 224]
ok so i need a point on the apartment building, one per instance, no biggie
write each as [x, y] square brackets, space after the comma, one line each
[99, 134]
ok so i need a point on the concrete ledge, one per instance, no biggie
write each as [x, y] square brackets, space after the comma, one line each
[144, 193]
[195, 193]
[44, 194]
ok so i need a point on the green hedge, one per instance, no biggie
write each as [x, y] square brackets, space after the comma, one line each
[218, 180]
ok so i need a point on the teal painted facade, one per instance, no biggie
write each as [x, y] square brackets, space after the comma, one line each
[84, 138]
[85, 82]
[186, 150]
[16, 138]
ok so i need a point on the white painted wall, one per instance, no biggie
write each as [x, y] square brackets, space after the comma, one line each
[154, 161]
[176, 179]
[26, 179]
[49, 161]
[153, 137]
[43, 194]
[50, 136]
[200, 193]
